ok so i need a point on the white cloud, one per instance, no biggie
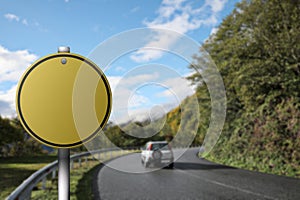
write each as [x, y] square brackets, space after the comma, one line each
[14, 63]
[214, 31]
[126, 98]
[133, 81]
[129, 82]
[6, 110]
[177, 87]
[113, 81]
[24, 21]
[146, 114]
[123, 89]
[168, 7]
[7, 101]
[180, 16]
[175, 15]
[12, 66]
[12, 17]
[162, 41]
[139, 115]
[136, 101]
[125, 116]
[216, 5]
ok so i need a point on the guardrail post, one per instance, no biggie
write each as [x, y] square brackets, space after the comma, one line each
[72, 164]
[53, 174]
[26, 195]
[44, 182]
[79, 161]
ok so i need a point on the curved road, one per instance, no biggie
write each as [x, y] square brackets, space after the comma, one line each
[191, 178]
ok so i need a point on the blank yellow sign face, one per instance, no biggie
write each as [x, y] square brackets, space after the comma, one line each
[63, 100]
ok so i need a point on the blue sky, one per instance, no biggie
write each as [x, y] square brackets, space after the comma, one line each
[32, 29]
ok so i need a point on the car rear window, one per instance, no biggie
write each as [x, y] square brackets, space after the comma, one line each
[162, 146]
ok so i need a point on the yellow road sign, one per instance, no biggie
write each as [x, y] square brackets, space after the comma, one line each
[63, 100]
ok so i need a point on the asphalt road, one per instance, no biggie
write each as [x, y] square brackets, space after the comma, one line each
[191, 178]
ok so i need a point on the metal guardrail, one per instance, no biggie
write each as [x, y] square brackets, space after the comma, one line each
[23, 191]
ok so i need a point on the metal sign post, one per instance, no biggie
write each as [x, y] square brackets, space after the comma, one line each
[63, 161]
[63, 174]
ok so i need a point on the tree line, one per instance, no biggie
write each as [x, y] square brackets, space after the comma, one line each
[14, 141]
[257, 51]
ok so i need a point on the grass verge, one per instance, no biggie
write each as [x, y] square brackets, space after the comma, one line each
[81, 178]
[272, 166]
[14, 170]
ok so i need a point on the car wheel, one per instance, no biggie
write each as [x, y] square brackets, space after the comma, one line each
[146, 164]
[171, 166]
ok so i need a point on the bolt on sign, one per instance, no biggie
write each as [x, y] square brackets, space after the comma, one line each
[63, 100]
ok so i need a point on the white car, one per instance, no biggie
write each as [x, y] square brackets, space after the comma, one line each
[157, 153]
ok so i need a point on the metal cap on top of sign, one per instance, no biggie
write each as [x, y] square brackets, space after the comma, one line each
[63, 100]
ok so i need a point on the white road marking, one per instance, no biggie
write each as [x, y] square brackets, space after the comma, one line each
[227, 186]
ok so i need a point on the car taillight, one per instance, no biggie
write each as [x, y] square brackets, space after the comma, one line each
[150, 147]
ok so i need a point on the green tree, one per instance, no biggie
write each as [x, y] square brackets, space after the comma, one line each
[9, 132]
[256, 50]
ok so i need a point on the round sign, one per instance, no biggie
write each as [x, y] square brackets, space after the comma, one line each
[63, 100]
